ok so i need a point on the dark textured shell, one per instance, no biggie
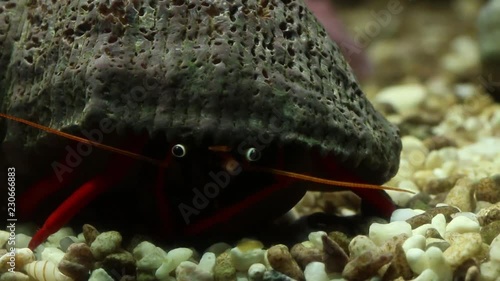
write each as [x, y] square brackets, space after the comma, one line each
[194, 70]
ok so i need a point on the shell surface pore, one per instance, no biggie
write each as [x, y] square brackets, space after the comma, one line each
[221, 71]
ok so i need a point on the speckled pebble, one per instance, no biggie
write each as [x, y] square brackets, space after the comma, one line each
[365, 265]
[224, 269]
[490, 231]
[77, 261]
[462, 196]
[122, 262]
[305, 255]
[463, 246]
[106, 243]
[90, 233]
[489, 214]
[399, 266]
[488, 189]
[341, 239]
[148, 256]
[281, 260]
[361, 244]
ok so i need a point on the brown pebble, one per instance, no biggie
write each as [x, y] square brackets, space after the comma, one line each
[462, 196]
[399, 266]
[432, 233]
[122, 262]
[341, 239]
[438, 142]
[419, 220]
[77, 262]
[490, 231]
[436, 186]
[305, 255]
[365, 265]
[488, 189]
[90, 233]
[468, 270]
[334, 257]
[489, 214]
[281, 260]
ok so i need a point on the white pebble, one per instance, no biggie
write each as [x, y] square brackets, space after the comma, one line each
[438, 265]
[207, 262]
[256, 272]
[100, 275]
[22, 240]
[427, 275]
[315, 271]
[414, 242]
[421, 230]
[417, 260]
[52, 254]
[462, 224]
[495, 249]
[315, 238]
[189, 271]
[54, 239]
[172, 260]
[490, 271]
[403, 214]
[439, 223]
[148, 256]
[402, 97]
[380, 233]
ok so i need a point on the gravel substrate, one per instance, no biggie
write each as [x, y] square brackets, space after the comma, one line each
[428, 81]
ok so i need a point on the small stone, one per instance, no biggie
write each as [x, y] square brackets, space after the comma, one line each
[14, 276]
[56, 237]
[148, 256]
[90, 233]
[439, 185]
[305, 255]
[419, 220]
[361, 244]
[316, 240]
[23, 240]
[315, 271]
[402, 97]
[489, 215]
[246, 253]
[189, 271]
[281, 260]
[77, 261]
[207, 262]
[106, 243]
[256, 272]
[399, 266]
[100, 275]
[334, 257]
[490, 231]
[122, 262]
[468, 270]
[462, 196]
[341, 239]
[379, 233]
[438, 243]
[488, 189]
[365, 265]
[414, 242]
[462, 224]
[224, 269]
[172, 260]
[66, 242]
[427, 275]
[55, 255]
[438, 142]
[463, 247]
[438, 264]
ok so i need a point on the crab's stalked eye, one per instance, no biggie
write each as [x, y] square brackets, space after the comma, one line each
[178, 150]
[252, 154]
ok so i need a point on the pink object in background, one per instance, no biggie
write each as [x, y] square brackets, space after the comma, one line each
[324, 11]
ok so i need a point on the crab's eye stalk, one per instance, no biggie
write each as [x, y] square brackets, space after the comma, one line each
[252, 154]
[178, 150]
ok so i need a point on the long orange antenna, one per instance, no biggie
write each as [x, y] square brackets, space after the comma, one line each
[328, 182]
[83, 140]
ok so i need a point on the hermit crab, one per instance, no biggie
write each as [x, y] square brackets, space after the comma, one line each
[197, 115]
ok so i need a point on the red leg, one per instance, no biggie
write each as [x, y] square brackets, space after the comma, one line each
[80, 198]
